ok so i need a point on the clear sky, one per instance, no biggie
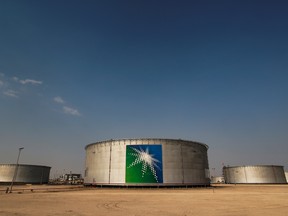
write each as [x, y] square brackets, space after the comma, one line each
[77, 72]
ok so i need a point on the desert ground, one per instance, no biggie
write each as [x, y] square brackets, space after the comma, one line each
[219, 200]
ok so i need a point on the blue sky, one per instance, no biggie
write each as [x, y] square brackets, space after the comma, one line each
[76, 72]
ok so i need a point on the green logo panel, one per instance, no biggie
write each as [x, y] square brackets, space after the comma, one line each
[144, 164]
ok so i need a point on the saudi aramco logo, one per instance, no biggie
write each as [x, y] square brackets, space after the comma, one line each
[144, 164]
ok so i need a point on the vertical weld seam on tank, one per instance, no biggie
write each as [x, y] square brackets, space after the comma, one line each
[275, 177]
[182, 163]
[245, 175]
[110, 162]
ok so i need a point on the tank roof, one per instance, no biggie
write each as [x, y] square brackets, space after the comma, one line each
[253, 166]
[28, 165]
[124, 139]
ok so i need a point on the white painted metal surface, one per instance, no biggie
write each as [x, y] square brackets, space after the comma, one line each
[26, 174]
[261, 174]
[184, 162]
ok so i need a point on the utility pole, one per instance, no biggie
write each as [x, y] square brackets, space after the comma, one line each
[16, 169]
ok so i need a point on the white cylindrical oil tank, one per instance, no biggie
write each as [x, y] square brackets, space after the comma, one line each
[286, 175]
[146, 162]
[259, 174]
[25, 174]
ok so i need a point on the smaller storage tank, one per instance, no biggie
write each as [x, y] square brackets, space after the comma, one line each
[258, 174]
[286, 175]
[25, 174]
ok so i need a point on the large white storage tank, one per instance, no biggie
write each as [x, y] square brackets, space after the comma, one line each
[25, 174]
[259, 174]
[146, 162]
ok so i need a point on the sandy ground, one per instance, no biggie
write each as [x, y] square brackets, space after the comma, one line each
[221, 200]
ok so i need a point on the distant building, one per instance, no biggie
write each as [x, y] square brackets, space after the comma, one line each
[217, 180]
[73, 178]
